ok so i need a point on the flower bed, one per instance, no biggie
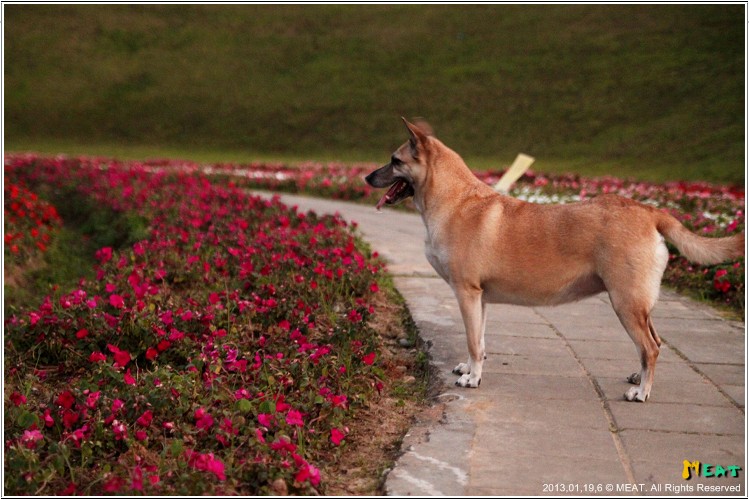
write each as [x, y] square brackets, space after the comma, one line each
[30, 223]
[222, 354]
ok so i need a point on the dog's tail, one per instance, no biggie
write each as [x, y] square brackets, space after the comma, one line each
[700, 249]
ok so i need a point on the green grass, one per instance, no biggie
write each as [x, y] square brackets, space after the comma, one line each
[651, 91]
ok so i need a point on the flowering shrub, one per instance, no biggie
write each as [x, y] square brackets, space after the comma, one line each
[29, 223]
[223, 353]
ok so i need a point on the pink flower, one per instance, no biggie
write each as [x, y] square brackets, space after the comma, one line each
[48, 420]
[265, 419]
[339, 401]
[215, 466]
[308, 473]
[129, 379]
[242, 394]
[336, 436]
[116, 301]
[281, 405]
[113, 484]
[30, 438]
[104, 255]
[92, 399]
[207, 463]
[81, 334]
[117, 405]
[294, 418]
[120, 431]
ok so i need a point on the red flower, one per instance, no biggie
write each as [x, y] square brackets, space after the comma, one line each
[96, 357]
[104, 255]
[17, 398]
[722, 286]
[308, 472]
[121, 358]
[66, 400]
[203, 420]
[69, 418]
[145, 419]
[368, 359]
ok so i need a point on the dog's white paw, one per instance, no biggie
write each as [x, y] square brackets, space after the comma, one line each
[635, 394]
[462, 369]
[467, 381]
[634, 378]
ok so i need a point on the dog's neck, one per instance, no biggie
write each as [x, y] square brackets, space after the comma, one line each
[446, 169]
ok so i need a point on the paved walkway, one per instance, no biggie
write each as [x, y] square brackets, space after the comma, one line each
[549, 417]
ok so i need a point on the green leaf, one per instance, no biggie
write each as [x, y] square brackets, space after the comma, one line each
[267, 407]
[244, 405]
[26, 419]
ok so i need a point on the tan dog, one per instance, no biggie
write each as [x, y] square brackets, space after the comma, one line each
[496, 249]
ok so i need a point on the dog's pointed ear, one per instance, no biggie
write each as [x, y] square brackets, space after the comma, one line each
[419, 131]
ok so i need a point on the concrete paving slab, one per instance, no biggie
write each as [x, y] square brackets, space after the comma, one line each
[517, 329]
[723, 373]
[680, 418]
[536, 440]
[555, 415]
[549, 366]
[527, 346]
[712, 347]
[549, 418]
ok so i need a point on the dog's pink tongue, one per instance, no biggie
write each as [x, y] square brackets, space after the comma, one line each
[389, 195]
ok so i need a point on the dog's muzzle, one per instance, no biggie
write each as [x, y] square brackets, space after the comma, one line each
[400, 188]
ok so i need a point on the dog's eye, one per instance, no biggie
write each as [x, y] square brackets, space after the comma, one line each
[395, 161]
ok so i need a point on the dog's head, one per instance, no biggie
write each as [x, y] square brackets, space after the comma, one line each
[406, 170]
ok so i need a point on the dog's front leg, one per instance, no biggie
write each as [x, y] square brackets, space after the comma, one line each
[474, 318]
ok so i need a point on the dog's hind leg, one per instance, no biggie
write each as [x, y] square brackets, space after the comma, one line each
[635, 378]
[473, 311]
[634, 315]
[633, 296]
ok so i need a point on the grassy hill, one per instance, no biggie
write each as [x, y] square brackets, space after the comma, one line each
[654, 91]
